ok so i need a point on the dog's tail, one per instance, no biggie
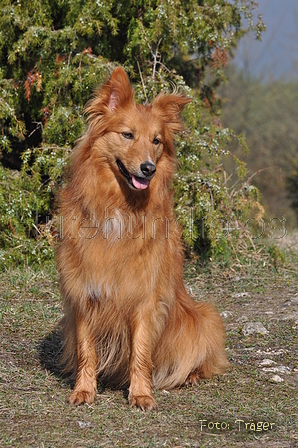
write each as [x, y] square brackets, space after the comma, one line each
[193, 340]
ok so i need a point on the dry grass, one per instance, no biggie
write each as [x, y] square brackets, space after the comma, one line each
[33, 409]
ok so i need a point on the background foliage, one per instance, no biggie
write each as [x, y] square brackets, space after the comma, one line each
[266, 112]
[55, 52]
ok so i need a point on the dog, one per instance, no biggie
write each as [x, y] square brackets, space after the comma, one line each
[128, 319]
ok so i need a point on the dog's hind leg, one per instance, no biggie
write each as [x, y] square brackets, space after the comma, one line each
[85, 387]
[193, 378]
[211, 341]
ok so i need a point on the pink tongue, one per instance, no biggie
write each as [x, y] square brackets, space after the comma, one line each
[140, 183]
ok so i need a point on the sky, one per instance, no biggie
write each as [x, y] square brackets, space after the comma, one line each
[277, 55]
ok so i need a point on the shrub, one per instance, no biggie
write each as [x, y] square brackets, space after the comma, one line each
[54, 53]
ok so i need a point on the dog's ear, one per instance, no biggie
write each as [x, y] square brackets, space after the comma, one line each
[169, 108]
[118, 89]
[115, 93]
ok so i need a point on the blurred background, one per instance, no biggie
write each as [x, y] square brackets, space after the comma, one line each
[260, 100]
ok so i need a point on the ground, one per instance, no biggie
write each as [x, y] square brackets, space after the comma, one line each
[253, 405]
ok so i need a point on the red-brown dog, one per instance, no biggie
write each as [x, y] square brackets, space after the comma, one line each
[128, 318]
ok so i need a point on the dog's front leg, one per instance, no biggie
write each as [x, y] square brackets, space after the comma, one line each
[85, 387]
[140, 368]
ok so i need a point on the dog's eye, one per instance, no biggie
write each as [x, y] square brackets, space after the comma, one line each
[128, 135]
[156, 141]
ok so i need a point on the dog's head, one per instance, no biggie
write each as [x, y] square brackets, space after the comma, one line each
[131, 137]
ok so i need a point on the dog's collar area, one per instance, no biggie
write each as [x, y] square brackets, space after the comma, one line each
[135, 182]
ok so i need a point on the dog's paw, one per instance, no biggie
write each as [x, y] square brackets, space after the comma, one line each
[193, 378]
[78, 397]
[145, 402]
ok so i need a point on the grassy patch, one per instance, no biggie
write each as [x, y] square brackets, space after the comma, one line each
[244, 407]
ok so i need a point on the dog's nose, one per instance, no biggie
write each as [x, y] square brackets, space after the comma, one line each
[148, 168]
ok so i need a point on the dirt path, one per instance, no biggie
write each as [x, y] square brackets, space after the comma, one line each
[253, 405]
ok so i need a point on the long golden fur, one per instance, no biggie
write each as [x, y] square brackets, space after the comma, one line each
[128, 318]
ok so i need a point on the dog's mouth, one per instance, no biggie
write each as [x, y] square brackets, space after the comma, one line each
[135, 182]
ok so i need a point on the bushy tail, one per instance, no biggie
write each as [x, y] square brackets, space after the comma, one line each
[194, 339]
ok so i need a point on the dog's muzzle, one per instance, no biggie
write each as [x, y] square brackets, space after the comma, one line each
[140, 180]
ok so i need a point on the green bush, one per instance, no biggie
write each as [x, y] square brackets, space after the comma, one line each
[22, 240]
[54, 53]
